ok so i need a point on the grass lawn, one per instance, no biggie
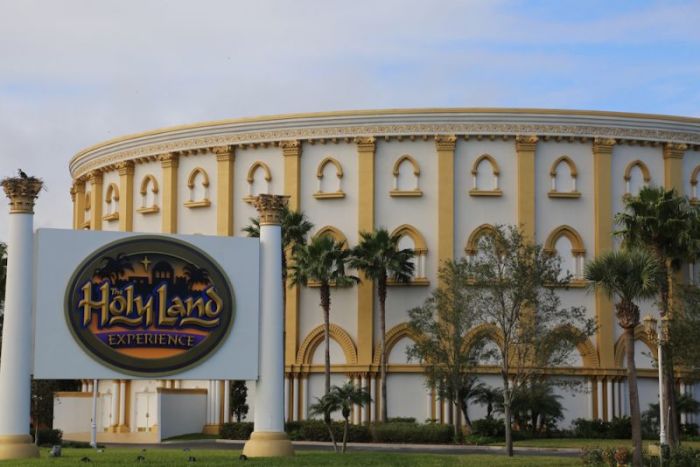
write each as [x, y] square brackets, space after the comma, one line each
[585, 443]
[173, 457]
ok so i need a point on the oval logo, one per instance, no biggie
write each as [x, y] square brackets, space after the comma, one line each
[149, 306]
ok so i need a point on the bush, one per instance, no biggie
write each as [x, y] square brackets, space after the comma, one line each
[403, 432]
[49, 437]
[584, 428]
[689, 429]
[489, 427]
[599, 457]
[620, 428]
[240, 430]
[402, 419]
[316, 430]
[681, 457]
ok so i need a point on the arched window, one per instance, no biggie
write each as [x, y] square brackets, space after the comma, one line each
[694, 185]
[485, 174]
[87, 209]
[112, 203]
[472, 247]
[259, 178]
[333, 233]
[330, 175]
[149, 195]
[568, 244]
[410, 238]
[198, 187]
[637, 175]
[563, 174]
[406, 173]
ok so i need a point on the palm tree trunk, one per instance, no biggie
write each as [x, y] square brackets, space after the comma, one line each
[668, 406]
[381, 290]
[345, 434]
[634, 398]
[326, 305]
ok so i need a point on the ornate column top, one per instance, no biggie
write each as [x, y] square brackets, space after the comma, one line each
[365, 143]
[224, 153]
[603, 145]
[674, 150]
[270, 208]
[126, 168]
[22, 193]
[526, 143]
[445, 142]
[291, 148]
[169, 159]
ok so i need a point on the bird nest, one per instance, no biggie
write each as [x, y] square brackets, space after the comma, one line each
[22, 186]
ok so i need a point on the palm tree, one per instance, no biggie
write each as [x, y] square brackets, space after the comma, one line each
[378, 256]
[490, 397]
[322, 261]
[348, 395]
[628, 276]
[667, 225]
[324, 407]
[114, 268]
[195, 275]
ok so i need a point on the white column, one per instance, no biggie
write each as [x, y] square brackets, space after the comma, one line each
[684, 417]
[356, 408]
[363, 412]
[114, 421]
[373, 394]
[269, 438]
[295, 400]
[122, 402]
[217, 402]
[591, 404]
[428, 403]
[17, 337]
[601, 388]
[610, 395]
[286, 396]
[227, 401]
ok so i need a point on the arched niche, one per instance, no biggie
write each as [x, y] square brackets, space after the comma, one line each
[410, 237]
[472, 247]
[111, 203]
[198, 189]
[259, 178]
[406, 176]
[640, 335]
[393, 336]
[637, 175]
[149, 195]
[694, 185]
[563, 174]
[573, 256]
[330, 176]
[485, 177]
[316, 337]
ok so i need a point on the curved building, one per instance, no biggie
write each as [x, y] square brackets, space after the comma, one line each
[437, 177]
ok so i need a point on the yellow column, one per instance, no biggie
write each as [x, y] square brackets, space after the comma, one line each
[291, 151]
[126, 192]
[445, 146]
[603, 242]
[673, 167]
[96, 200]
[365, 223]
[169, 163]
[78, 196]
[525, 147]
[225, 157]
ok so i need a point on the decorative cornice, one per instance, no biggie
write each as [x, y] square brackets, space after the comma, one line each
[22, 193]
[603, 145]
[224, 153]
[95, 177]
[445, 142]
[125, 168]
[674, 150]
[526, 143]
[270, 208]
[409, 123]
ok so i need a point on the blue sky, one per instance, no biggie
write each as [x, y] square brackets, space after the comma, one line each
[76, 72]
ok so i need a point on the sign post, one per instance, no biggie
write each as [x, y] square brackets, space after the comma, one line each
[16, 363]
[269, 438]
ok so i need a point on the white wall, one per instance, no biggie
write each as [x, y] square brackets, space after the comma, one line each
[72, 414]
[181, 413]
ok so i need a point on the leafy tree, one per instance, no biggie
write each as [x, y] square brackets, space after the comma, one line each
[490, 397]
[669, 227]
[348, 395]
[685, 403]
[444, 349]
[379, 258]
[514, 284]
[535, 406]
[627, 276]
[42, 399]
[322, 261]
[238, 394]
[686, 332]
[113, 268]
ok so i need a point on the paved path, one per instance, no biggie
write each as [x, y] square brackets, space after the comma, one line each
[366, 447]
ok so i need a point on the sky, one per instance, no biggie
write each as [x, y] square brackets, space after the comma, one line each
[74, 73]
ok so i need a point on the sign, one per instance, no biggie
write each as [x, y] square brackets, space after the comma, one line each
[145, 305]
[149, 304]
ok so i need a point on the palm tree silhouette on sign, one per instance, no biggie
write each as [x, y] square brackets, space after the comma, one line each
[196, 275]
[114, 268]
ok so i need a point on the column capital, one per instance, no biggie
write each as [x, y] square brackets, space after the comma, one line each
[526, 143]
[445, 142]
[126, 168]
[270, 208]
[95, 177]
[22, 193]
[365, 143]
[291, 148]
[603, 145]
[224, 153]
[674, 150]
[168, 160]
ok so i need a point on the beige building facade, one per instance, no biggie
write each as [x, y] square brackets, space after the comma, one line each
[437, 177]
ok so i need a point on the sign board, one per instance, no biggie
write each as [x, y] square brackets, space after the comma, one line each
[121, 305]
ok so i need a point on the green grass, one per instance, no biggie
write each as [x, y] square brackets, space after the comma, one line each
[192, 436]
[173, 457]
[584, 443]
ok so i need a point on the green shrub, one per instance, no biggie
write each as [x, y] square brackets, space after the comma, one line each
[689, 429]
[620, 428]
[402, 419]
[584, 428]
[489, 427]
[316, 430]
[49, 436]
[403, 432]
[681, 457]
[599, 457]
[240, 430]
